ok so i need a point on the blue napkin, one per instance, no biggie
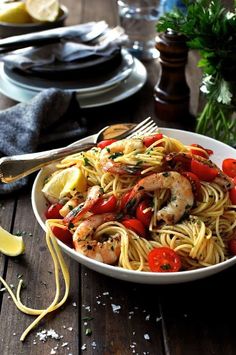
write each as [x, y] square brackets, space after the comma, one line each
[52, 115]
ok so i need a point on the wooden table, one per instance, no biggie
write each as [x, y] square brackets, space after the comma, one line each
[186, 319]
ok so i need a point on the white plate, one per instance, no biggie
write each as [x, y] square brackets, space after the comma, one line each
[123, 90]
[221, 151]
[82, 86]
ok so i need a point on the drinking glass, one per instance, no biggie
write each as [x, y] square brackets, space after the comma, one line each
[139, 19]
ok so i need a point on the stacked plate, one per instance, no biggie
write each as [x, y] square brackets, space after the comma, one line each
[98, 80]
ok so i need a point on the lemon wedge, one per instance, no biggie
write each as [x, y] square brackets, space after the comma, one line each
[14, 12]
[43, 10]
[63, 182]
[10, 244]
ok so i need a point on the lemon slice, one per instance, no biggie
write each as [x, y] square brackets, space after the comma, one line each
[63, 182]
[10, 244]
[14, 12]
[43, 10]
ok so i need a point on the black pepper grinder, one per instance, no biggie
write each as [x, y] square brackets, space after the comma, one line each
[171, 93]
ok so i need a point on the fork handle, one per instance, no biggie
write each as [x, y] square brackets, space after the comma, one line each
[16, 167]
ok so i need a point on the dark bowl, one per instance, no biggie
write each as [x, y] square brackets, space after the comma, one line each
[14, 29]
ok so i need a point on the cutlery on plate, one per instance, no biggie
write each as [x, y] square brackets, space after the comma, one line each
[51, 36]
[15, 167]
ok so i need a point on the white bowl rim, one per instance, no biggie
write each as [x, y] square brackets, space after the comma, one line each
[131, 275]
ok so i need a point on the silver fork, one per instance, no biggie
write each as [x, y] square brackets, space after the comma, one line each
[15, 167]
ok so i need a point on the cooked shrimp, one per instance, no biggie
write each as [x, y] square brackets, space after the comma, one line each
[182, 161]
[181, 194]
[104, 251]
[78, 212]
[70, 205]
[119, 148]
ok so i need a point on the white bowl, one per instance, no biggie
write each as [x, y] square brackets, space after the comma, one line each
[221, 152]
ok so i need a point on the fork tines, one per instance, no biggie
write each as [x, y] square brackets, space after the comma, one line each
[147, 126]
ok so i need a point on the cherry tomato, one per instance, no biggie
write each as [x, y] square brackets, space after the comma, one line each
[164, 259]
[105, 143]
[104, 206]
[147, 141]
[53, 211]
[124, 200]
[229, 167]
[232, 195]
[63, 234]
[135, 225]
[194, 181]
[202, 153]
[203, 170]
[232, 244]
[144, 217]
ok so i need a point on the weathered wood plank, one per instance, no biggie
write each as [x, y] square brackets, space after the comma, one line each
[125, 317]
[36, 269]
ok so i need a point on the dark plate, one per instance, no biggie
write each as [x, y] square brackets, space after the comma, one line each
[82, 83]
[88, 66]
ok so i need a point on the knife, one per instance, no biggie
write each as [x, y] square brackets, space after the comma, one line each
[52, 36]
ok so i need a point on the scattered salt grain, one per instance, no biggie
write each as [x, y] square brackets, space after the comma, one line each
[106, 293]
[70, 329]
[52, 352]
[44, 334]
[146, 337]
[93, 344]
[115, 308]
[147, 317]
[158, 319]
[64, 344]
[83, 347]
[74, 304]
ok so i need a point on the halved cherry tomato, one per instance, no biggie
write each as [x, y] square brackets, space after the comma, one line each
[144, 217]
[194, 181]
[164, 259]
[135, 225]
[204, 153]
[232, 244]
[203, 170]
[63, 234]
[105, 143]
[147, 141]
[53, 211]
[104, 206]
[229, 167]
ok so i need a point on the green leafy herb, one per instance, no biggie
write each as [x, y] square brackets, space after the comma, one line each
[115, 155]
[211, 29]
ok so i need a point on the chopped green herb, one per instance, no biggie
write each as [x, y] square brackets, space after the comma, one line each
[115, 155]
[86, 161]
[71, 225]
[88, 331]
[166, 174]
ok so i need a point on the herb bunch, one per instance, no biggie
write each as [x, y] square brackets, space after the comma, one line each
[211, 29]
